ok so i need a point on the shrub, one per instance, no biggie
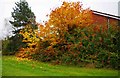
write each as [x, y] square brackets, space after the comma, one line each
[12, 44]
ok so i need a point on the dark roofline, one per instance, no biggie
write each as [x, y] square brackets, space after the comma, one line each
[106, 15]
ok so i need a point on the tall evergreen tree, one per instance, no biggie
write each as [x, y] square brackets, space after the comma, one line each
[22, 15]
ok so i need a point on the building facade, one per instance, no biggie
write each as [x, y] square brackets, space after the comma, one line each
[105, 19]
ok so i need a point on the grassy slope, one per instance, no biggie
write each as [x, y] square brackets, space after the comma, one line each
[14, 67]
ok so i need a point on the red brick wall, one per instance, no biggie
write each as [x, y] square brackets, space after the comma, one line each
[102, 20]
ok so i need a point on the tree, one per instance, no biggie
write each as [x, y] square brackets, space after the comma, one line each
[31, 40]
[61, 34]
[22, 15]
[65, 19]
[70, 15]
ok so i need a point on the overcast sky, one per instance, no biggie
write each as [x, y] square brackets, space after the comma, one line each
[42, 7]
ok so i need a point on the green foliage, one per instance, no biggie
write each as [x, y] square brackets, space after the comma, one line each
[116, 41]
[22, 14]
[5, 45]
[11, 45]
[83, 47]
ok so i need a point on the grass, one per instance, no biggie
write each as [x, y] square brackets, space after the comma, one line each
[11, 66]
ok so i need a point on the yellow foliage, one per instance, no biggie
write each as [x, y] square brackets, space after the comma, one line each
[29, 36]
[31, 39]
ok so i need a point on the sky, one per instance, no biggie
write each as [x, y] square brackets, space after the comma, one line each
[43, 7]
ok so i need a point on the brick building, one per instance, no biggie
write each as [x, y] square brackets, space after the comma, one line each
[106, 19]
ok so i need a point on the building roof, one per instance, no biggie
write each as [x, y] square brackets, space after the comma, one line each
[106, 15]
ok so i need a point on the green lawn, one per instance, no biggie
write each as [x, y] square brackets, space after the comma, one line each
[14, 67]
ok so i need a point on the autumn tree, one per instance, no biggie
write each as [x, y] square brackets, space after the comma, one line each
[69, 15]
[31, 40]
[65, 19]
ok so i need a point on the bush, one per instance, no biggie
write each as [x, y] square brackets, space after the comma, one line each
[12, 45]
[81, 47]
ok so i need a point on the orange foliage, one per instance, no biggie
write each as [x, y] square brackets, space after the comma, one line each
[70, 14]
[63, 19]
[25, 53]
